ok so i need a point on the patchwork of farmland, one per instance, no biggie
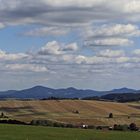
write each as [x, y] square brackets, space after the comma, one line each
[72, 111]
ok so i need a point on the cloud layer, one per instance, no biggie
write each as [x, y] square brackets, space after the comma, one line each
[67, 12]
[54, 54]
[87, 41]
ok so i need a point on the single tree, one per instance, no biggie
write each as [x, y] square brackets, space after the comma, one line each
[2, 115]
[110, 115]
[133, 127]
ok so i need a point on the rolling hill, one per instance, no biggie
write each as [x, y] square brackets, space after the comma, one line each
[122, 97]
[90, 112]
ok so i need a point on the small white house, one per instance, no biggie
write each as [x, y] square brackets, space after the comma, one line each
[84, 126]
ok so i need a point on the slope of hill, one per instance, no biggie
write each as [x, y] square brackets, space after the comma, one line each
[122, 97]
[7, 92]
[40, 92]
[90, 112]
[122, 90]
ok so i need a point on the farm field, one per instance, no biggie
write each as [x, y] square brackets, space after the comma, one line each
[90, 112]
[17, 132]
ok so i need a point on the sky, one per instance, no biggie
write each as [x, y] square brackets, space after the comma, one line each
[87, 44]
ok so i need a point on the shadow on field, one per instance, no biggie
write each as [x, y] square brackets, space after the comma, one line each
[16, 109]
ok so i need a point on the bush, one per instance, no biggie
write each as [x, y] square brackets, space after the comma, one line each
[50, 123]
[111, 115]
[3, 115]
[56, 124]
[99, 128]
[121, 127]
[76, 112]
[69, 126]
[91, 127]
[133, 127]
[12, 122]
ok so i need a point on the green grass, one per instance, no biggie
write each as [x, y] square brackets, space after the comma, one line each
[14, 132]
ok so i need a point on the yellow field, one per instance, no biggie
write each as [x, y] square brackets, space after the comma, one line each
[90, 112]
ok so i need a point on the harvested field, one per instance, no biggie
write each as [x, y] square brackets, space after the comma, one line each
[89, 112]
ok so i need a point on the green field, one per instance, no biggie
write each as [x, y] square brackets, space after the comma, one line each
[14, 132]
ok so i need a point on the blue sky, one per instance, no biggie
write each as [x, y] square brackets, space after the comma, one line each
[62, 43]
[22, 43]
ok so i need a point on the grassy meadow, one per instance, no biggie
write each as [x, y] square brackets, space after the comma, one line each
[19, 132]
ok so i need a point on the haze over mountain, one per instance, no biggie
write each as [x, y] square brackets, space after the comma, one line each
[40, 92]
[123, 90]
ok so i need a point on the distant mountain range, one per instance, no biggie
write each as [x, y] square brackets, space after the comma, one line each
[40, 92]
